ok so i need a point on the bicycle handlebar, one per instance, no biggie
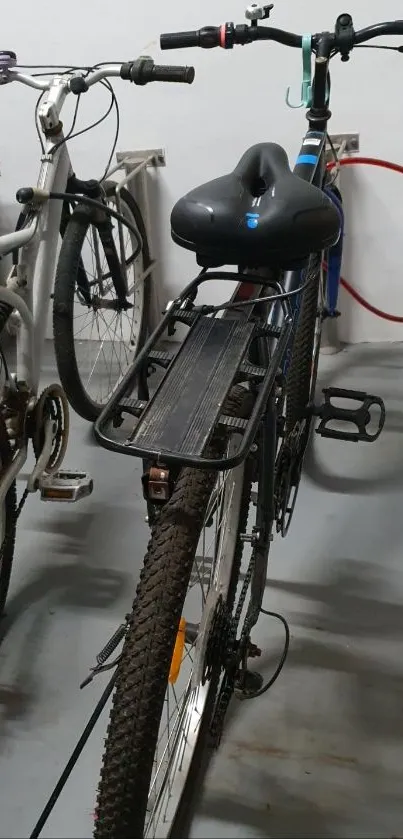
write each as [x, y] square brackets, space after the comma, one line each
[394, 27]
[228, 35]
[140, 72]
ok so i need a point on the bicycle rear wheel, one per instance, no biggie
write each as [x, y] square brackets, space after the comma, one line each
[158, 734]
[95, 343]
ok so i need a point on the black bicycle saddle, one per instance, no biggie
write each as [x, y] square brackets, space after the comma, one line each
[260, 215]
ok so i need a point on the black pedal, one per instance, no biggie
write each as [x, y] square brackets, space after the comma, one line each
[360, 417]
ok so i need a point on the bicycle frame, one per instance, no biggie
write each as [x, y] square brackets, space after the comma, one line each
[27, 292]
[29, 285]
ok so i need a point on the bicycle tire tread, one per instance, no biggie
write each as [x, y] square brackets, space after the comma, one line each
[144, 667]
[299, 378]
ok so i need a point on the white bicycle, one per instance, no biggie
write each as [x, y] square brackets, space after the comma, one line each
[100, 297]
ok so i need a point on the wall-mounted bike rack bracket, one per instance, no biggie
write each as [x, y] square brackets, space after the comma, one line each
[344, 145]
[348, 143]
[147, 157]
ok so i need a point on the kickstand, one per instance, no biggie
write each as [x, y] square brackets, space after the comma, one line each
[73, 759]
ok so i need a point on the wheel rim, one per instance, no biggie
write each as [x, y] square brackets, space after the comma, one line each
[186, 701]
[107, 341]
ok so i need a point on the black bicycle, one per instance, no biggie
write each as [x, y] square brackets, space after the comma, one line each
[233, 410]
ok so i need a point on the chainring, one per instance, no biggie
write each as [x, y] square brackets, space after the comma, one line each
[52, 404]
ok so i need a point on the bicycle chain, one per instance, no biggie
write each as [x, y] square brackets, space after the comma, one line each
[234, 657]
[10, 532]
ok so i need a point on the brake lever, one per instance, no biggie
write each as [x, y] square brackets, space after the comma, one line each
[8, 60]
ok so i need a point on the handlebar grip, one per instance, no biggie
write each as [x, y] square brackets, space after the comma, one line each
[165, 73]
[144, 70]
[179, 40]
[207, 38]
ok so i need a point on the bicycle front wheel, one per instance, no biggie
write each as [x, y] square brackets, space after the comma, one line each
[95, 341]
[169, 672]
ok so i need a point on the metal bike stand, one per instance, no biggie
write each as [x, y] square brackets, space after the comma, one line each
[135, 165]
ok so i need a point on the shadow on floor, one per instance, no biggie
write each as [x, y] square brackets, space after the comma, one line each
[320, 754]
[374, 369]
[51, 594]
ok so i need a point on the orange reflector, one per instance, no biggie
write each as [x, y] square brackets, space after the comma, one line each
[178, 652]
[57, 493]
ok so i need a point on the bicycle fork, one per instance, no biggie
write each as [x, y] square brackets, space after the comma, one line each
[102, 222]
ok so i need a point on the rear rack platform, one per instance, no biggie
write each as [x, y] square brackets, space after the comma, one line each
[175, 425]
[188, 403]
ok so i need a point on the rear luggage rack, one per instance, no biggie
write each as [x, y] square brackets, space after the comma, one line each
[175, 425]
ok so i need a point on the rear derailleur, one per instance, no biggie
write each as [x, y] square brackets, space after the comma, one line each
[237, 681]
[248, 682]
[233, 654]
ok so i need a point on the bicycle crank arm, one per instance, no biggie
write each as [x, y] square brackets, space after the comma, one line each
[44, 457]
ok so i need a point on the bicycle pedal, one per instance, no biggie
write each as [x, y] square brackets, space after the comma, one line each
[65, 486]
[361, 417]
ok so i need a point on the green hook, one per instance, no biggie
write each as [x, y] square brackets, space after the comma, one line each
[306, 92]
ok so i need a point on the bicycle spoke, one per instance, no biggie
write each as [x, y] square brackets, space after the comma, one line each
[106, 339]
[183, 703]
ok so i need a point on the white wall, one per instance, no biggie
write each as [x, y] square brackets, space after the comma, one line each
[237, 99]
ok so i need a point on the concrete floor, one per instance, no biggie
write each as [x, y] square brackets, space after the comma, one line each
[321, 754]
